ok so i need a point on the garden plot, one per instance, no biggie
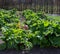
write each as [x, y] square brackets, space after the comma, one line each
[35, 30]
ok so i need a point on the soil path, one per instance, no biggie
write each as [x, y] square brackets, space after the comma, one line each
[35, 50]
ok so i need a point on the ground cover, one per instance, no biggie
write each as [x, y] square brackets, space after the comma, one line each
[33, 29]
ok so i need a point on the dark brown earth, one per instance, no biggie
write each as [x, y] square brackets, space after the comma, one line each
[35, 50]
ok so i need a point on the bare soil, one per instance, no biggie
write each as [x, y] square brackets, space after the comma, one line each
[35, 50]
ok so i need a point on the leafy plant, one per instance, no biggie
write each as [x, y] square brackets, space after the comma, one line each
[37, 29]
[8, 17]
[41, 27]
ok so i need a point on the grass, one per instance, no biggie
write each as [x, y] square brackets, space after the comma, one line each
[54, 17]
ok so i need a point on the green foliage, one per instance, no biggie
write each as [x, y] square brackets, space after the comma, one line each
[8, 17]
[15, 38]
[2, 46]
[42, 28]
[37, 29]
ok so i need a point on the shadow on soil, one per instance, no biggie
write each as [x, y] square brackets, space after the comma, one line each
[35, 50]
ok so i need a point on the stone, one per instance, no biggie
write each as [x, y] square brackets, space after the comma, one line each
[1, 41]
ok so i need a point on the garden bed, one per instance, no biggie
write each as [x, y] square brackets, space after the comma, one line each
[23, 33]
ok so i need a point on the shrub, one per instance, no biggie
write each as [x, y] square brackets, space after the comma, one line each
[42, 28]
[8, 17]
[37, 29]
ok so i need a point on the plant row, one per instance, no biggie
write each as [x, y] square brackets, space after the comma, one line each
[37, 29]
